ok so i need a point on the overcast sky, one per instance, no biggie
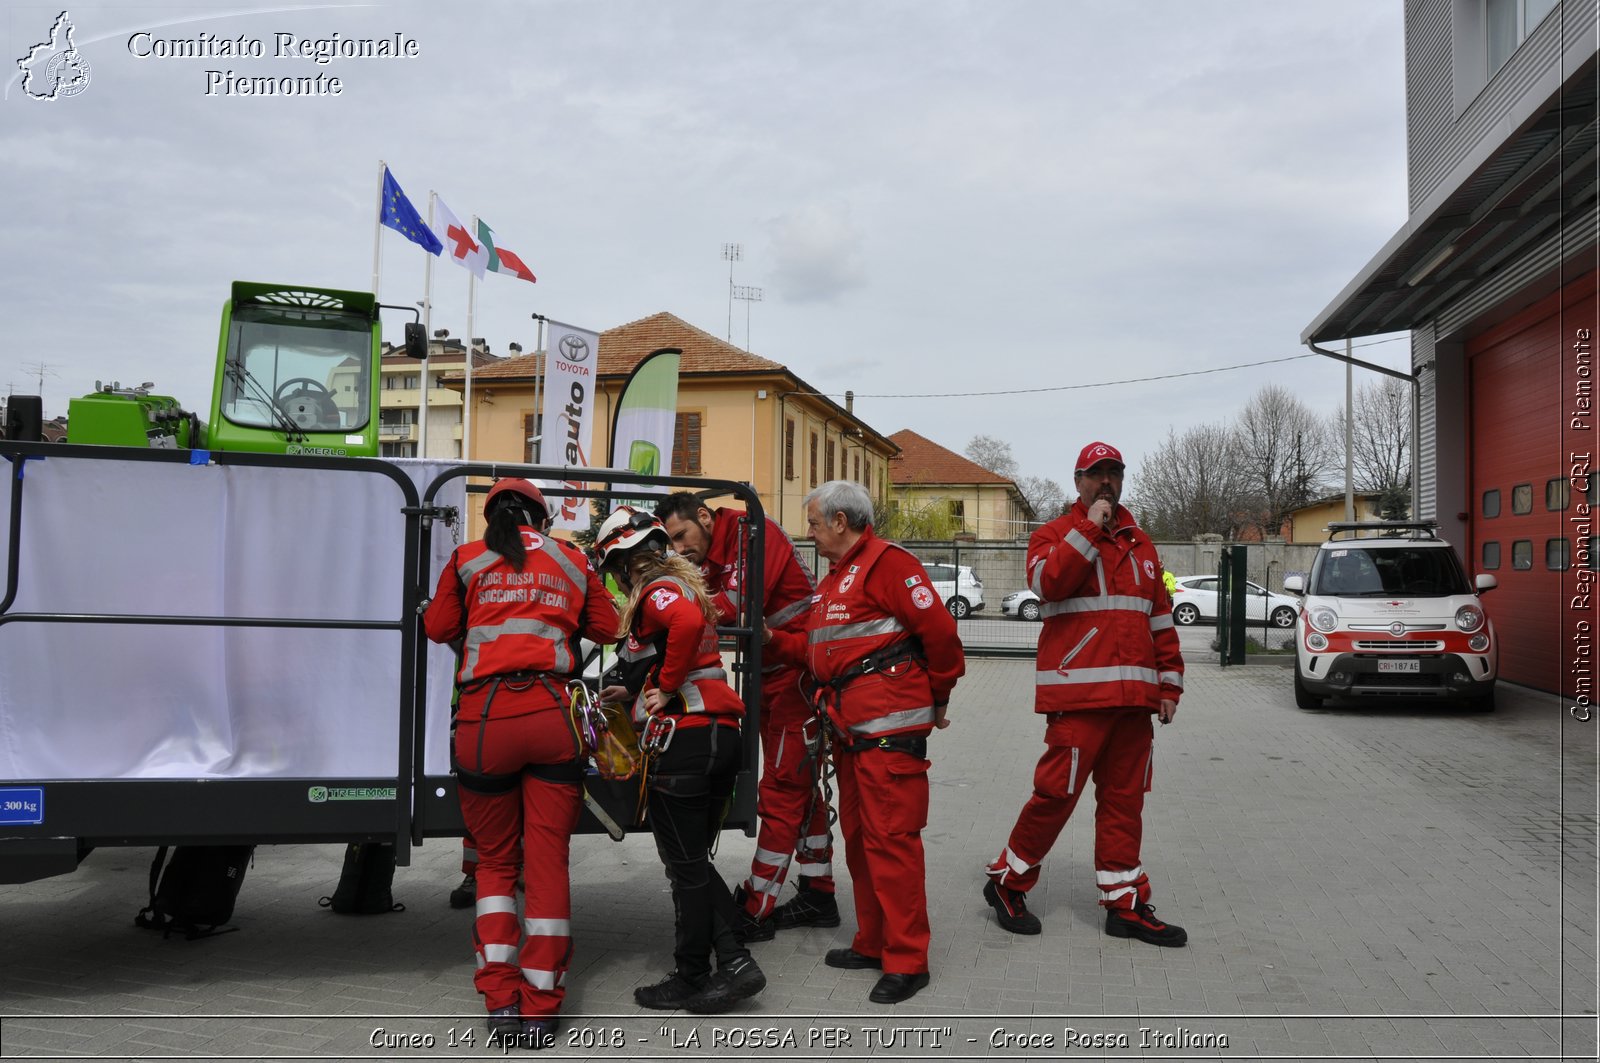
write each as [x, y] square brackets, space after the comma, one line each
[934, 197]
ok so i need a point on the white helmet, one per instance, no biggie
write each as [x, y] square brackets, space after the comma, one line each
[626, 530]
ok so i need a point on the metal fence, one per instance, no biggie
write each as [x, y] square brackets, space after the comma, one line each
[998, 571]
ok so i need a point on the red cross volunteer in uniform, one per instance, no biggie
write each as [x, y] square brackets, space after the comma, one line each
[512, 604]
[1108, 661]
[884, 654]
[794, 813]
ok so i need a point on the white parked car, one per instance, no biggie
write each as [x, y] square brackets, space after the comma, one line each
[1023, 604]
[1389, 611]
[961, 590]
[1195, 599]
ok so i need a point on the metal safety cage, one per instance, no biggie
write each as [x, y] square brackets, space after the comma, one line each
[86, 813]
[438, 809]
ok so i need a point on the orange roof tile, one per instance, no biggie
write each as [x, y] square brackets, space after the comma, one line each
[922, 461]
[625, 346]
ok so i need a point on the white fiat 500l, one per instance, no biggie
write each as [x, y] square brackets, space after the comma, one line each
[1389, 612]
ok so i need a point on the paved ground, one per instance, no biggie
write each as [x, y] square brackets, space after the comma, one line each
[1359, 883]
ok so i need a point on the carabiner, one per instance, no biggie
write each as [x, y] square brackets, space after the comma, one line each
[657, 736]
[586, 715]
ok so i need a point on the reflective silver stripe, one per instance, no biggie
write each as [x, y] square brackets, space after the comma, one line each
[805, 870]
[1161, 623]
[895, 721]
[735, 599]
[1117, 878]
[500, 953]
[772, 859]
[544, 979]
[816, 841]
[1100, 603]
[645, 650]
[789, 612]
[1096, 675]
[1080, 542]
[765, 885]
[467, 569]
[568, 566]
[550, 928]
[494, 906]
[707, 673]
[886, 626]
[693, 700]
[477, 636]
[1035, 583]
[1015, 862]
[1123, 892]
[1072, 774]
[1171, 679]
[1079, 647]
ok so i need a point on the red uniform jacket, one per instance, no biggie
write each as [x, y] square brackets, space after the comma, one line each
[524, 621]
[669, 625]
[1108, 639]
[873, 597]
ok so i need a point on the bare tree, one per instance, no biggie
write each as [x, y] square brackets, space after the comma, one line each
[993, 454]
[1191, 485]
[1044, 495]
[1286, 451]
[1381, 435]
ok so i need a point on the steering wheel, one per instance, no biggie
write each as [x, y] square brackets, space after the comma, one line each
[312, 406]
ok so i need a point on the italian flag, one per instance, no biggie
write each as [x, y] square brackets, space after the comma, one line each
[503, 260]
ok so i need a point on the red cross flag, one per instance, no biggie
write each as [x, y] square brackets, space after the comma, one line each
[459, 243]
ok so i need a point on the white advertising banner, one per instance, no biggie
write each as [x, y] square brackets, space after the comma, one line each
[571, 364]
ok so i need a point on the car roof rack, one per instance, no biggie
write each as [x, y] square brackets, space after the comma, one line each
[1367, 529]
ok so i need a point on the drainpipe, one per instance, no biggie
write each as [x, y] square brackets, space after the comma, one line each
[1414, 378]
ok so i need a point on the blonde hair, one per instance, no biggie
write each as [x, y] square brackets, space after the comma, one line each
[653, 567]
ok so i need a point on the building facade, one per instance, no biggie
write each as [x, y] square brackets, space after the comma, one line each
[400, 397]
[946, 494]
[740, 417]
[1494, 275]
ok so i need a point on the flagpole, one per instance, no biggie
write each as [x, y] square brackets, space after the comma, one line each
[538, 388]
[427, 329]
[377, 227]
[466, 409]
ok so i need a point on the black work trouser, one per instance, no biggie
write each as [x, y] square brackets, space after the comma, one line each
[689, 787]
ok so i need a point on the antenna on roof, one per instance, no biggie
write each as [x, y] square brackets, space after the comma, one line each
[749, 295]
[731, 253]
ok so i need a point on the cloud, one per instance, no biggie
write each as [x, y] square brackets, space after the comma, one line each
[817, 252]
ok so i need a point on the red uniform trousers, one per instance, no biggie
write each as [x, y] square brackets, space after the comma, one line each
[531, 824]
[790, 786]
[1114, 747]
[883, 806]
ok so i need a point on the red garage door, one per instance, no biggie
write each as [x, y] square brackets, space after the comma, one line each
[1530, 493]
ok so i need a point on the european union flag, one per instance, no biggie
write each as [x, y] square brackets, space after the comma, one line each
[402, 217]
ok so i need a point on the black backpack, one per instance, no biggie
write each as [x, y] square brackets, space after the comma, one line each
[196, 891]
[365, 882]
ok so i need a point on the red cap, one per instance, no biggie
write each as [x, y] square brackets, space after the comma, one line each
[1094, 454]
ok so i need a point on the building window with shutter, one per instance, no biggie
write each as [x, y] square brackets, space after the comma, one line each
[858, 469]
[829, 448]
[788, 450]
[813, 469]
[686, 445]
[867, 483]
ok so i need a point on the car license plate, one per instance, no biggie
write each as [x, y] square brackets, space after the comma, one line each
[1402, 665]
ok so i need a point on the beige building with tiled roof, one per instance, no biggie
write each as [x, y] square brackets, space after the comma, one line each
[740, 416]
[925, 477]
